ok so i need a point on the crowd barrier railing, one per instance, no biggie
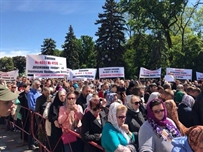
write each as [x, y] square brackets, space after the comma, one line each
[37, 124]
[25, 123]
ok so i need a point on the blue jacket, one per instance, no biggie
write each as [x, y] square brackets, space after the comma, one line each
[32, 96]
[111, 138]
[181, 145]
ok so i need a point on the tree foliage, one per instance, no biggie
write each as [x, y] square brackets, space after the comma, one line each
[109, 44]
[70, 50]
[6, 64]
[48, 47]
[87, 53]
[154, 14]
[20, 63]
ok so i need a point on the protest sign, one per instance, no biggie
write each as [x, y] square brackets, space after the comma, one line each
[199, 76]
[185, 74]
[68, 73]
[145, 73]
[111, 72]
[9, 76]
[83, 74]
[45, 66]
[169, 78]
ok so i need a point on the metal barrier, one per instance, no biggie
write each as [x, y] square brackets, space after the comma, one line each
[92, 143]
[41, 142]
[26, 116]
[44, 144]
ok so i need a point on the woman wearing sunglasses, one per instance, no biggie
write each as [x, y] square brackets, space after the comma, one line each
[92, 123]
[134, 117]
[70, 116]
[116, 136]
[156, 133]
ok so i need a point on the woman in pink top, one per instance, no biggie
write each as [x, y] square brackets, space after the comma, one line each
[70, 116]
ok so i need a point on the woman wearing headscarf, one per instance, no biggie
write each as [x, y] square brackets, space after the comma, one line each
[56, 131]
[156, 133]
[192, 142]
[93, 122]
[185, 109]
[134, 118]
[153, 95]
[116, 136]
[70, 116]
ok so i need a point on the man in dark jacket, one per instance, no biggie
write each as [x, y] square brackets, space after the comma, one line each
[41, 102]
[82, 97]
[151, 88]
[26, 115]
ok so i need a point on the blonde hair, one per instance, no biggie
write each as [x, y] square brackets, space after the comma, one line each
[121, 108]
[169, 92]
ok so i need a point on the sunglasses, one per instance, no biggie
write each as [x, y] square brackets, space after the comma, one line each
[71, 98]
[121, 117]
[136, 103]
[97, 108]
[158, 111]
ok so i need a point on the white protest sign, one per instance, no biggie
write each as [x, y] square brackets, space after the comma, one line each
[9, 76]
[45, 66]
[145, 73]
[199, 76]
[83, 74]
[111, 72]
[169, 78]
[185, 74]
[68, 73]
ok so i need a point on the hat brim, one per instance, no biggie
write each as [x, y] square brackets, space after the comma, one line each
[9, 96]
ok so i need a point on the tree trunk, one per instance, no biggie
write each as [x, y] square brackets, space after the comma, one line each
[168, 38]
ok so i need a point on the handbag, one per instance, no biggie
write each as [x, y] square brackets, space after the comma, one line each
[67, 137]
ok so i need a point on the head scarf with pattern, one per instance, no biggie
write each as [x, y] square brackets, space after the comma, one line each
[188, 100]
[156, 124]
[113, 120]
[195, 137]
[150, 114]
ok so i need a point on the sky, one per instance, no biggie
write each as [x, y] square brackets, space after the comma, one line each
[24, 24]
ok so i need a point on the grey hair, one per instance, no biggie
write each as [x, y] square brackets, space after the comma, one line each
[62, 91]
[35, 81]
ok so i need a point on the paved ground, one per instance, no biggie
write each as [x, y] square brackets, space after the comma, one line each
[11, 142]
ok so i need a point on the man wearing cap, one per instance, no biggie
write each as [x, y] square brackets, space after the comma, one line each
[6, 101]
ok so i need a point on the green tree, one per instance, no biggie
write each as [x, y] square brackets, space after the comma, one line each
[48, 47]
[20, 63]
[70, 50]
[109, 44]
[145, 50]
[155, 15]
[6, 64]
[87, 52]
[57, 52]
[184, 24]
[198, 21]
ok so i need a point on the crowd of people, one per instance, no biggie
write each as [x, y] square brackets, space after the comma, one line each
[119, 115]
